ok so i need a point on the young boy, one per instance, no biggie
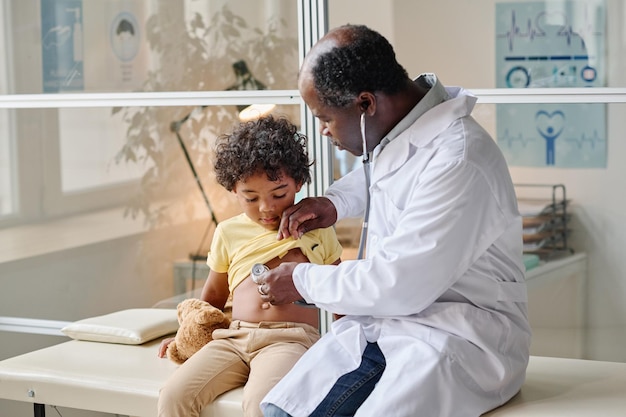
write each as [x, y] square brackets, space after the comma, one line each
[265, 163]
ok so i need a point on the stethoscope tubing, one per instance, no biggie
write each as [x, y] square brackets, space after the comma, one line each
[366, 169]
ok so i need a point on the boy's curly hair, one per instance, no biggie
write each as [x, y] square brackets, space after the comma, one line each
[268, 144]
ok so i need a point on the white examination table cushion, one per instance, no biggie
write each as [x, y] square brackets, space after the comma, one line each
[125, 379]
[106, 377]
[131, 327]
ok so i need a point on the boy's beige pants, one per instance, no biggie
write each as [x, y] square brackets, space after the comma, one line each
[253, 355]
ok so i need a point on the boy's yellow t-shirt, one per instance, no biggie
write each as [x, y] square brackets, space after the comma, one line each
[239, 243]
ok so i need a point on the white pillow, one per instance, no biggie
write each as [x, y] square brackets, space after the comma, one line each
[129, 327]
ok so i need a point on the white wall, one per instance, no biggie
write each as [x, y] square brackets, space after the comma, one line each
[455, 39]
[377, 14]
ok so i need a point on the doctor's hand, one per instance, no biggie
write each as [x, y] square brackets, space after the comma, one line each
[309, 214]
[276, 285]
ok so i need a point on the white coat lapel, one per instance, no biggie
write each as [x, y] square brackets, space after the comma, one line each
[424, 130]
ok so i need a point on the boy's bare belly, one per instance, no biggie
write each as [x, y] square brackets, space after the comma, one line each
[247, 304]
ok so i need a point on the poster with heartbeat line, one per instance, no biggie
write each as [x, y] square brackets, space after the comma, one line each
[551, 44]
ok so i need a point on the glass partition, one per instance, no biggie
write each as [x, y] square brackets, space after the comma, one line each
[459, 40]
[122, 50]
[151, 45]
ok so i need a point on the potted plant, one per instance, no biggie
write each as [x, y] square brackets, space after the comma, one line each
[197, 56]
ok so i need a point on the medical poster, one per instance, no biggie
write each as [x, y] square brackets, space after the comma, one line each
[551, 44]
[125, 39]
[125, 47]
[62, 45]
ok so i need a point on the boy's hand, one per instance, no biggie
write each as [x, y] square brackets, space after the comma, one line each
[163, 346]
[309, 214]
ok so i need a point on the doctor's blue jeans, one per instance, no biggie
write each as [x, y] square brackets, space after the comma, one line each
[350, 391]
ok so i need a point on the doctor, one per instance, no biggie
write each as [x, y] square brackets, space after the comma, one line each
[434, 317]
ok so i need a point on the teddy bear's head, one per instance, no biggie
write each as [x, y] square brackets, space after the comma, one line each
[197, 321]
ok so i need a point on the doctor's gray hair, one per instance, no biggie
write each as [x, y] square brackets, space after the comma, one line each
[362, 61]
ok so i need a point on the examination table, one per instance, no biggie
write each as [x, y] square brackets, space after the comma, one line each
[125, 379]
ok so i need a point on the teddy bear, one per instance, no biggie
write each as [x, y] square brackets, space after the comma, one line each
[197, 320]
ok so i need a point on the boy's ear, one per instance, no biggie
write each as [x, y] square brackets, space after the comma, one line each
[298, 186]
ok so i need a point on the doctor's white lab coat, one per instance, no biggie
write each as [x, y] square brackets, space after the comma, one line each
[442, 287]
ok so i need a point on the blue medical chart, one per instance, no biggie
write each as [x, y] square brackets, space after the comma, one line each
[62, 45]
[551, 44]
[559, 135]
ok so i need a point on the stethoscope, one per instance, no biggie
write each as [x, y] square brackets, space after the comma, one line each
[366, 169]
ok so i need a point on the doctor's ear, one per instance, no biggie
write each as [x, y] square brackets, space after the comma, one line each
[366, 102]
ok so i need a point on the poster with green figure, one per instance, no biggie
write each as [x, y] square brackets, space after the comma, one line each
[551, 45]
[62, 45]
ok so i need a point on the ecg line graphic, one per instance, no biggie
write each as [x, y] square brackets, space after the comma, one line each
[515, 31]
[585, 31]
[536, 29]
[592, 140]
[511, 140]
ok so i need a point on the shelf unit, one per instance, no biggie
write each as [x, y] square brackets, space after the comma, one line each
[546, 219]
